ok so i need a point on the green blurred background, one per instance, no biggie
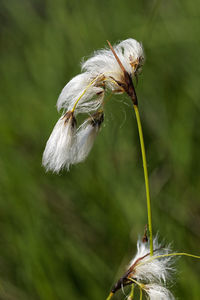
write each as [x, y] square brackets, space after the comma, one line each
[71, 236]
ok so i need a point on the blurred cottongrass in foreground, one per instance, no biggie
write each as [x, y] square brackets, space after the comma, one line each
[150, 273]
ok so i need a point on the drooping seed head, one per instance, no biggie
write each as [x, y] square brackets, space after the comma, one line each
[59, 148]
[86, 135]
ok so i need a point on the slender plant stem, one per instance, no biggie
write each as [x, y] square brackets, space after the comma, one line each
[141, 286]
[85, 90]
[140, 293]
[146, 178]
[168, 255]
[131, 296]
[110, 296]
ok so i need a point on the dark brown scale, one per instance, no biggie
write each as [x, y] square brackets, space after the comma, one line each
[99, 93]
[123, 281]
[97, 119]
[69, 116]
[74, 123]
[145, 237]
[127, 83]
[129, 88]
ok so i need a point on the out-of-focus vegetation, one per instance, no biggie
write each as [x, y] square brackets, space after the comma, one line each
[70, 236]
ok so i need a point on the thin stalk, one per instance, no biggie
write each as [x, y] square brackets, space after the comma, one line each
[168, 255]
[141, 286]
[146, 178]
[85, 90]
[110, 296]
[131, 296]
[140, 293]
[90, 84]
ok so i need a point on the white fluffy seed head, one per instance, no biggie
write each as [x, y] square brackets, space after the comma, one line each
[101, 71]
[158, 292]
[148, 268]
[79, 86]
[86, 135]
[59, 148]
[84, 94]
[130, 53]
[102, 62]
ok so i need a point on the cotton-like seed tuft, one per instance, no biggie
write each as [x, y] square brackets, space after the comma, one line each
[80, 86]
[144, 267]
[158, 292]
[59, 148]
[86, 136]
[108, 69]
[129, 52]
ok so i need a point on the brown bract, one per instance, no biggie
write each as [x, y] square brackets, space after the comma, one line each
[127, 83]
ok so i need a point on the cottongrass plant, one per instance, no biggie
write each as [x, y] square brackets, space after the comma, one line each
[150, 273]
[113, 69]
[85, 94]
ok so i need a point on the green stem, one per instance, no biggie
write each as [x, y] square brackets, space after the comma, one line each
[146, 178]
[168, 255]
[131, 296]
[110, 296]
[140, 293]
